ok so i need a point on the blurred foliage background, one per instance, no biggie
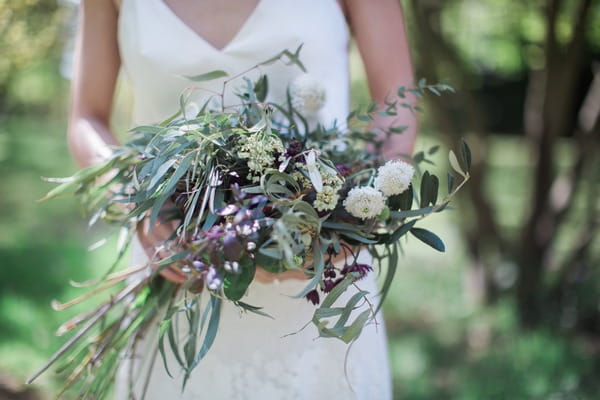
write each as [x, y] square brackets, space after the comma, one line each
[511, 311]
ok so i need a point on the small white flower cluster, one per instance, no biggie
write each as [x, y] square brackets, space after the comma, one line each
[307, 95]
[392, 178]
[260, 151]
[327, 198]
[364, 202]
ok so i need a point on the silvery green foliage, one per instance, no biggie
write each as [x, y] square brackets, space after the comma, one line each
[248, 186]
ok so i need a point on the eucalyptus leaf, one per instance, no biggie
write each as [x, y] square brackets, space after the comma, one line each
[208, 76]
[236, 284]
[465, 154]
[429, 238]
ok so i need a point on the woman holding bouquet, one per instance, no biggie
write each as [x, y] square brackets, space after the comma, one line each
[160, 42]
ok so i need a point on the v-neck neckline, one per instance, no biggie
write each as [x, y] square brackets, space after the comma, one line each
[243, 27]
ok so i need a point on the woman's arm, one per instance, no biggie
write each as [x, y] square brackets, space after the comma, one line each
[380, 34]
[95, 70]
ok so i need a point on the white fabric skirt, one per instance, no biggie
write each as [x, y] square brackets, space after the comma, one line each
[255, 358]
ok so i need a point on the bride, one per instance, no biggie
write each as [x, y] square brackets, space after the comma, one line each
[159, 42]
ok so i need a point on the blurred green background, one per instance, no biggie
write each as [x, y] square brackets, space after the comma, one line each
[510, 311]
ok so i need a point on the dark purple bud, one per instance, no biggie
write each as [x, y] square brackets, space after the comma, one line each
[361, 269]
[329, 273]
[323, 213]
[343, 170]
[328, 285]
[232, 247]
[294, 148]
[268, 210]
[313, 297]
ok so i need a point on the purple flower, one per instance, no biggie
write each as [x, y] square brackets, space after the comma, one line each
[329, 273]
[329, 284]
[213, 279]
[198, 265]
[294, 148]
[232, 247]
[361, 269]
[313, 297]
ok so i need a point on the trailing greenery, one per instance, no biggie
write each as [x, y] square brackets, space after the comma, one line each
[254, 185]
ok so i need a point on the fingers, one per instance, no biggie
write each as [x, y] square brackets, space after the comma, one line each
[173, 275]
[152, 243]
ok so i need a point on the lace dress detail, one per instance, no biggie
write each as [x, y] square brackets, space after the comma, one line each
[253, 357]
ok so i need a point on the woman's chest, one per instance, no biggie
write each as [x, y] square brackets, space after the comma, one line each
[159, 29]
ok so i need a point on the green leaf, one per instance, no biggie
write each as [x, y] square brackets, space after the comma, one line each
[392, 266]
[398, 129]
[465, 153]
[357, 237]
[429, 238]
[160, 172]
[419, 157]
[253, 309]
[209, 336]
[455, 164]
[209, 76]
[411, 213]
[261, 88]
[235, 285]
[318, 266]
[429, 189]
[433, 150]
[353, 331]
[402, 201]
[293, 58]
[170, 185]
[403, 230]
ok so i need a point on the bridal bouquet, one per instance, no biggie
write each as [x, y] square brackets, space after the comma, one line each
[254, 185]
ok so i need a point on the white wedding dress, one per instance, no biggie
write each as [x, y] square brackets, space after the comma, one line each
[251, 358]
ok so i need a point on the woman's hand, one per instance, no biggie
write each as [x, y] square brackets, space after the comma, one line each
[153, 242]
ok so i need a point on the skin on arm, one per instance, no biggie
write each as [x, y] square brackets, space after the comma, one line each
[95, 71]
[380, 34]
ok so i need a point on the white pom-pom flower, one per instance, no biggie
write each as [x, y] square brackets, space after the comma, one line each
[307, 95]
[394, 177]
[364, 202]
